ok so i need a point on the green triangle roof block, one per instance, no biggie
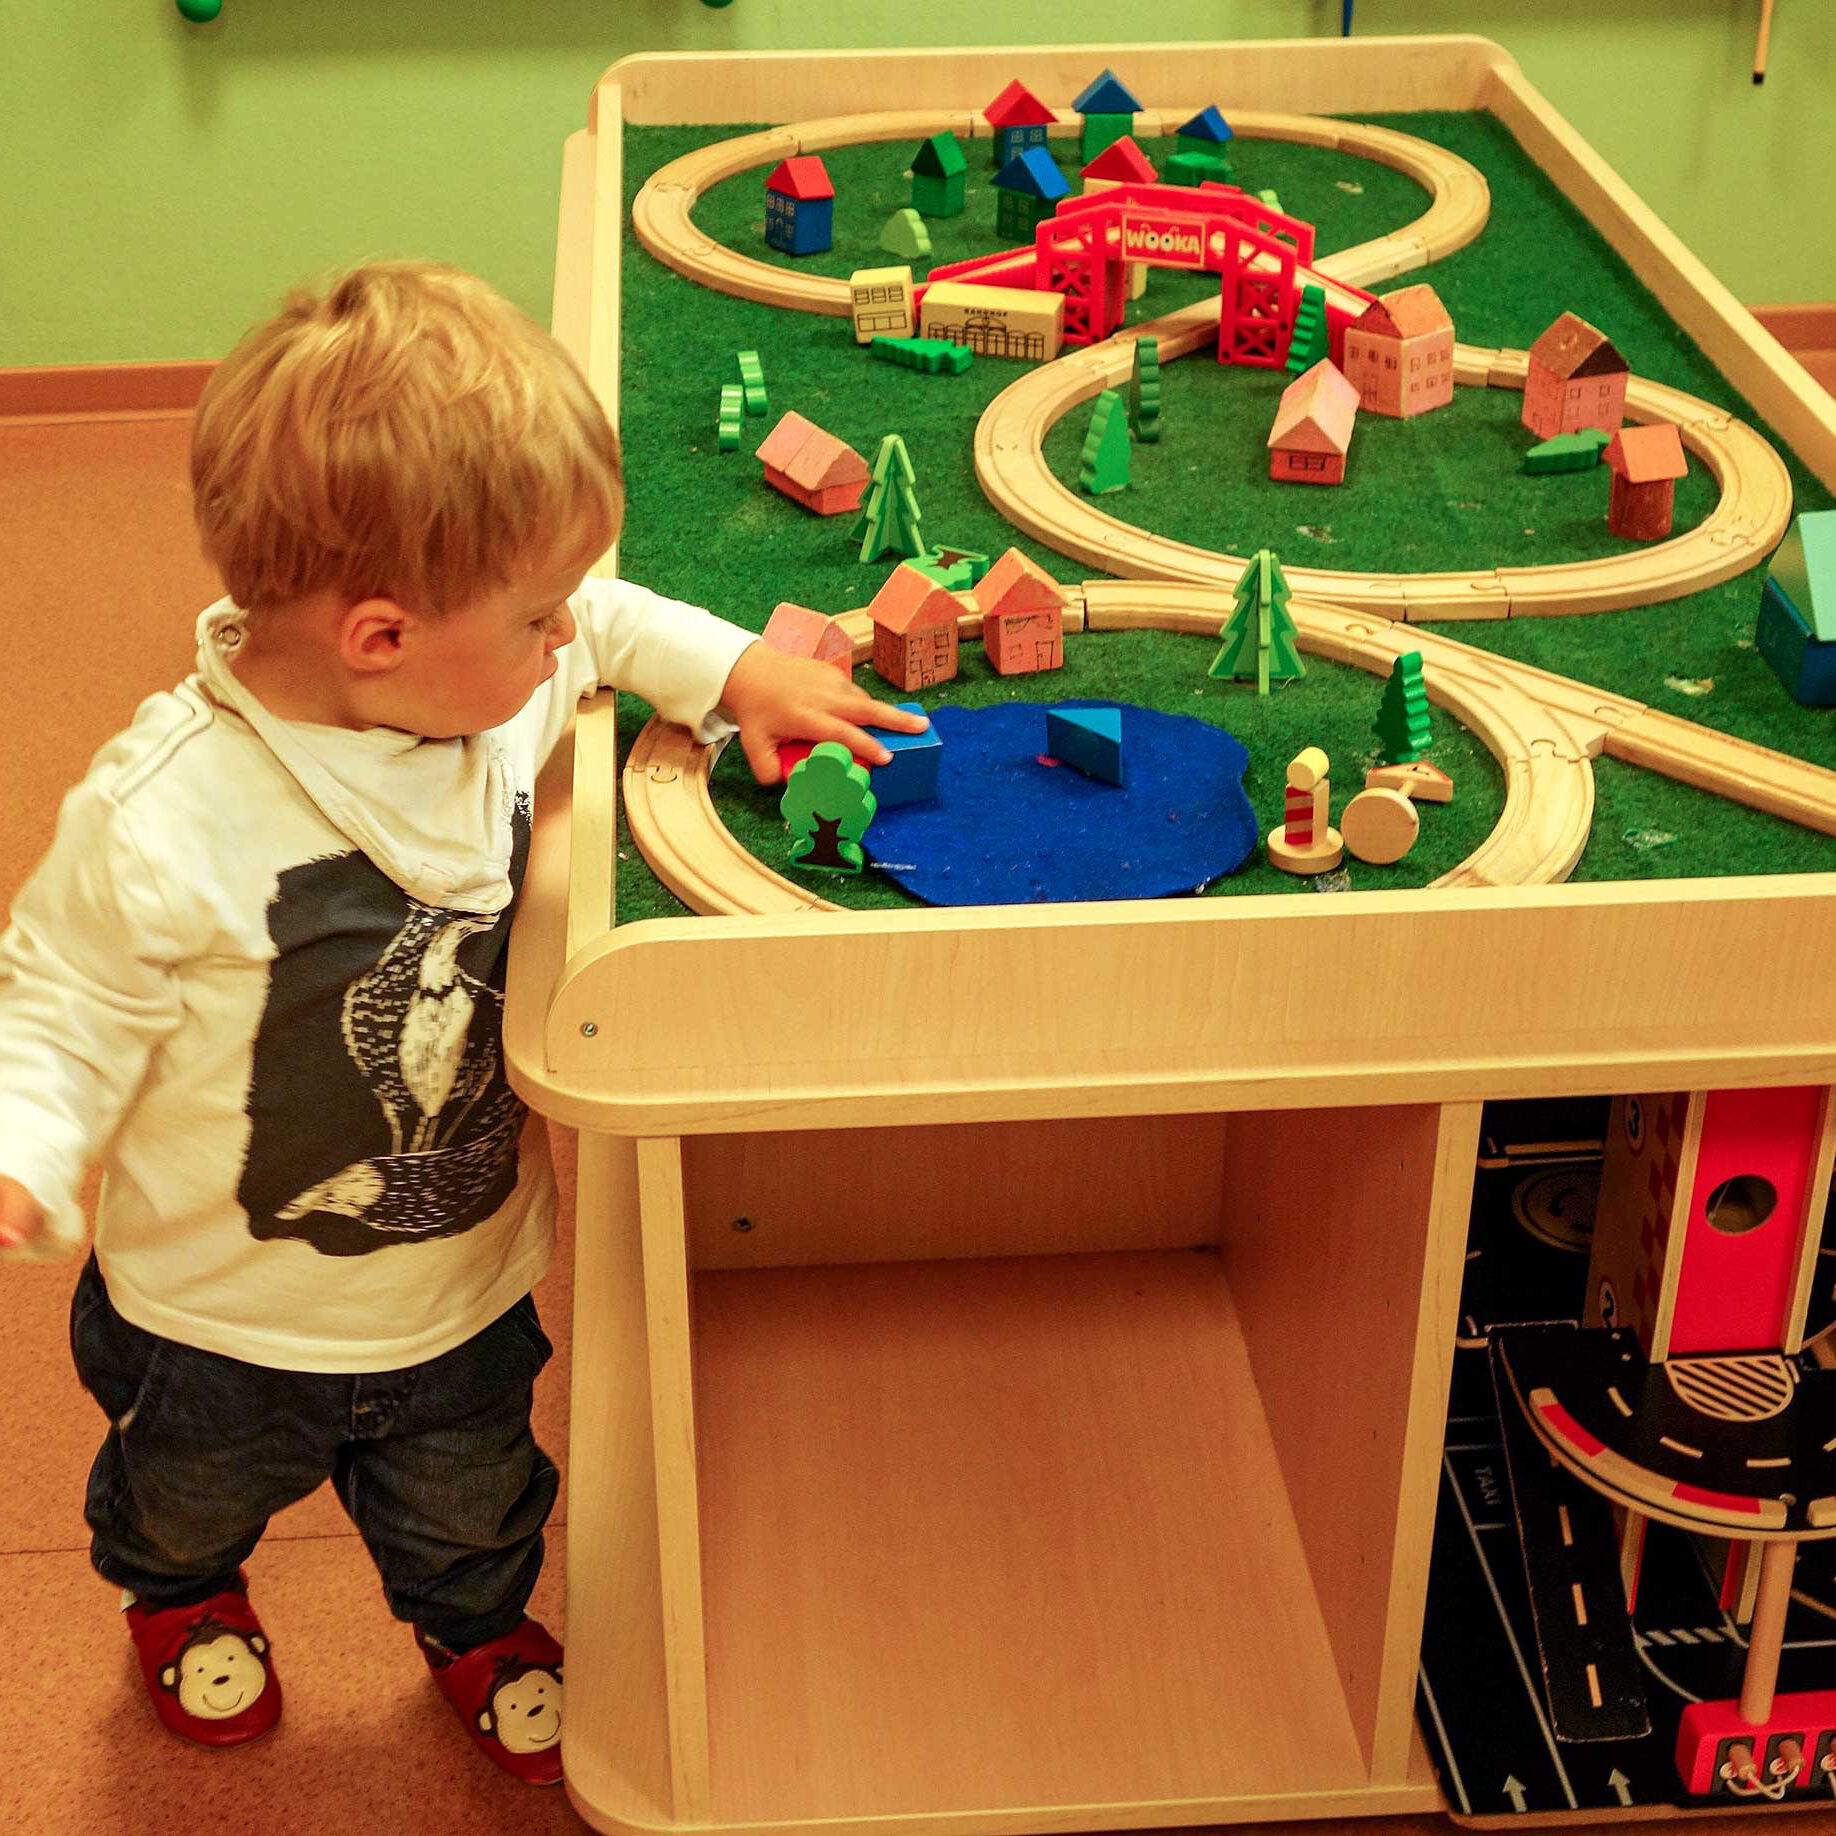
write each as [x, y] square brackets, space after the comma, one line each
[940, 157]
[1804, 568]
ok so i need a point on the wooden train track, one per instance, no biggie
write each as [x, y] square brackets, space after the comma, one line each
[662, 212]
[1543, 751]
[1748, 520]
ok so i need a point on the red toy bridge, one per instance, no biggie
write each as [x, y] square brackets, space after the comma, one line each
[1262, 257]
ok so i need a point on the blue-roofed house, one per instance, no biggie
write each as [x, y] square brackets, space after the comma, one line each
[1030, 185]
[1109, 109]
[1797, 617]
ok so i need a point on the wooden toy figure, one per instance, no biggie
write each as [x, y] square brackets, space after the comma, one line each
[828, 801]
[1305, 840]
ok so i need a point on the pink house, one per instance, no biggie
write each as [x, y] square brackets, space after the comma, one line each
[1313, 427]
[1399, 353]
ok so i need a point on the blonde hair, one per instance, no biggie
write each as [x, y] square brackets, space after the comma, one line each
[403, 433]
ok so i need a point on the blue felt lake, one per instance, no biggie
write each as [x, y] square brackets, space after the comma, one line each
[1007, 830]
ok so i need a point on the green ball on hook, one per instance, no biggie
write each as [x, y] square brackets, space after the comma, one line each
[200, 12]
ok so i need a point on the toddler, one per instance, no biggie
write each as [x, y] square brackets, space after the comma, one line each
[260, 974]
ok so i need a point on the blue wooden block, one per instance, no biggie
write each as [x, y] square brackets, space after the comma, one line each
[911, 775]
[1089, 739]
[1806, 666]
[799, 226]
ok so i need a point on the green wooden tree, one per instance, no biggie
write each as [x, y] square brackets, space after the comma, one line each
[1144, 391]
[1259, 637]
[1403, 727]
[828, 802]
[1309, 342]
[889, 518]
[1103, 464]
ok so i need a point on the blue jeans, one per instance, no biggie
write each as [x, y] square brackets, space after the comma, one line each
[435, 1464]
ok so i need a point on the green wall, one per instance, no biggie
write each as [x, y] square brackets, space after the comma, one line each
[162, 183]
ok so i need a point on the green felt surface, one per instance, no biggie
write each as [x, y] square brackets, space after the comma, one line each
[1445, 490]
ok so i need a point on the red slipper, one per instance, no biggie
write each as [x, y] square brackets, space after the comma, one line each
[208, 1668]
[508, 1694]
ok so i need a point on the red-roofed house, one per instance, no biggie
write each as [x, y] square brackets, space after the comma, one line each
[1576, 380]
[1119, 163]
[1646, 463]
[1399, 353]
[914, 630]
[1023, 616]
[799, 206]
[799, 632]
[822, 473]
[1313, 427]
[1019, 120]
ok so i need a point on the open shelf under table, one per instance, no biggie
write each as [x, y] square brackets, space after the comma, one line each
[1000, 1532]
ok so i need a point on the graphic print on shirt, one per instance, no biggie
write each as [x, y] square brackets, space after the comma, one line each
[377, 1102]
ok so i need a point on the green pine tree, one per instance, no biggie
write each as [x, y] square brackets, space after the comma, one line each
[889, 518]
[828, 802]
[1259, 636]
[1144, 391]
[1309, 342]
[1103, 464]
[1403, 726]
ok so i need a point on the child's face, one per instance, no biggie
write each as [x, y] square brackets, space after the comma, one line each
[476, 667]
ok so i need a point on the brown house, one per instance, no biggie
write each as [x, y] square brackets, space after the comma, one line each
[1023, 618]
[822, 473]
[1646, 463]
[914, 630]
[1576, 380]
[1313, 427]
[1399, 353]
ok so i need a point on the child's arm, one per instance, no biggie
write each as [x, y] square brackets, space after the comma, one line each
[711, 675]
[88, 989]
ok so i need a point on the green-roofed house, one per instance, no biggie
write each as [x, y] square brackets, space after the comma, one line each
[1797, 617]
[940, 177]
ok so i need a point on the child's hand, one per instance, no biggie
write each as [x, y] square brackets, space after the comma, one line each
[773, 698]
[21, 1215]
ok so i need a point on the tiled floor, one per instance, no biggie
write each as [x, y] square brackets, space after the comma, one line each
[98, 592]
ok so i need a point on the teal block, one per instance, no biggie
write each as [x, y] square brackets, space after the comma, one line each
[1087, 739]
[911, 776]
[1805, 665]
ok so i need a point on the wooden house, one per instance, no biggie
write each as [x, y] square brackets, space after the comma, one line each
[1108, 110]
[1577, 379]
[1023, 618]
[1122, 162]
[1646, 463]
[797, 631]
[1030, 185]
[1399, 353]
[994, 321]
[940, 176]
[1313, 427]
[799, 206]
[914, 630]
[1019, 119]
[1797, 618]
[822, 473]
[1207, 133]
[880, 303]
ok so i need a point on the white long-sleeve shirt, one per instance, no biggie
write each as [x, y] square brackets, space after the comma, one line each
[260, 975]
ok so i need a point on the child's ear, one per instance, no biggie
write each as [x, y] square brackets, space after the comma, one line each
[371, 634]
